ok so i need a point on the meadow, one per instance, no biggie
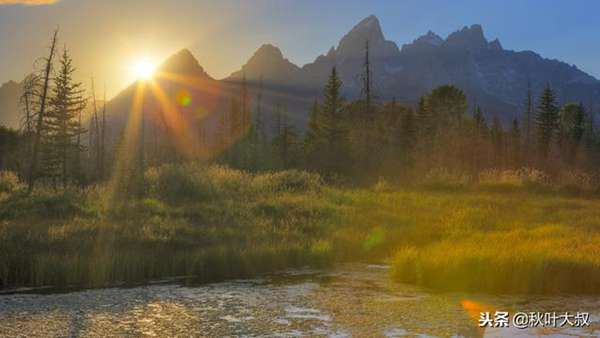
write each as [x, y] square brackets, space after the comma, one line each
[510, 232]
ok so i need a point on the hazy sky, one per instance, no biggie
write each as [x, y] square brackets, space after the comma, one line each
[107, 36]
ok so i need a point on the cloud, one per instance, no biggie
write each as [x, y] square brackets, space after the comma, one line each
[28, 2]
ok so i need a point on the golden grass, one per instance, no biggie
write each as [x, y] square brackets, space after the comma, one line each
[215, 223]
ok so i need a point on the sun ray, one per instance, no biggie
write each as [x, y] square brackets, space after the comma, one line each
[125, 162]
[178, 127]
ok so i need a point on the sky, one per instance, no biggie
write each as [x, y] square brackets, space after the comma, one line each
[106, 37]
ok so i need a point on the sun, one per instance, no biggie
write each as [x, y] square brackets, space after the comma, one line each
[143, 69]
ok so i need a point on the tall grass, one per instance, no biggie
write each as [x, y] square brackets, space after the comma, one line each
[499, 231]
[209, 222]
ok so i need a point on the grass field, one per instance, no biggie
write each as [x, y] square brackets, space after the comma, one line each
[215, 223]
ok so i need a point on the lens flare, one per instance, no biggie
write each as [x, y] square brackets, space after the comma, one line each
[184, 98]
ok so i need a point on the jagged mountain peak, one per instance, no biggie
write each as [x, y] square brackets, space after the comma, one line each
[469, 38]
[430, 38]
[267, 62]
[495, 45]
[354, 42]
[267, 51]
[367, 29]
[370, 22]
[331, 52]
[183, 62]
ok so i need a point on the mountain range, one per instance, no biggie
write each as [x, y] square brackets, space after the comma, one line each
[492, 76]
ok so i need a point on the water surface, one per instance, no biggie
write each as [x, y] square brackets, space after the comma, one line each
[353, 300]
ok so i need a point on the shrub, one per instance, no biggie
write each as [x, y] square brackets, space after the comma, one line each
[442, 178]
[177, 183]
[382, 185]
[43, 204]
[577, 181]
[9, 182]
[289, 180]
[529, 178]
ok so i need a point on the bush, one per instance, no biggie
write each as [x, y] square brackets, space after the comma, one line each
[179, 182]
[576, 181]
[442, 178]
[289, 180]
[44, 204]
[9, 182]
[521, 178]
[382, 185]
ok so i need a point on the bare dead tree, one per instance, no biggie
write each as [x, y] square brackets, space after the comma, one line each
[40, 116]
[103, 137]
[95, 127]
[29, 102]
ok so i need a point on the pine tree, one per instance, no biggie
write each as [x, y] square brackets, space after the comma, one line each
[424, 119]
[515, 142]
[236, 120]
[528, 115]
[245, 111]
[313, 133]
[259, 121]
[479, 140]
[408, 134]
[222, 134]
[257, 134]
[546, 121]
[285, 144]
[332, 127]
[589, 132]
[571, 130]
[277, 138]
[62, 120]
[367, 82]
[497, 138]
[480, 123]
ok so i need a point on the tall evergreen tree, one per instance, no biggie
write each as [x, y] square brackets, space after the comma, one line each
[497, 138]
[313, 139]
[259, 119]
[285, 144]
[528, 116]
[571, 130]
[62, 120]
[515, 143]
[332, 126]
[367, 82]
[546, 121]
[245, 110]
[478, 139]
[408, 134]
[424, 119]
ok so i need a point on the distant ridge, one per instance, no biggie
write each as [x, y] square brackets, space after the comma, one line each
[493, 76]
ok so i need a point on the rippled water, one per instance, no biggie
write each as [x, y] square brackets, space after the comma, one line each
[353, 300]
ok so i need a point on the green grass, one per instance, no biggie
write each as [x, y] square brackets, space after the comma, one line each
[208, 222]
[214, 223]
[514, 242]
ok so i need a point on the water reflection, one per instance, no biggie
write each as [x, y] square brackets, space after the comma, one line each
[354, 300]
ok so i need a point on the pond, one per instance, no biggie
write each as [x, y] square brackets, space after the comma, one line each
[354, 300]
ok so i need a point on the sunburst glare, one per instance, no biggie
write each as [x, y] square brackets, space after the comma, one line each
[143, 69]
